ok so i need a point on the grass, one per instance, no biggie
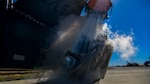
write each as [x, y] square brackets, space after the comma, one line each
[13, 77]
[18, 74]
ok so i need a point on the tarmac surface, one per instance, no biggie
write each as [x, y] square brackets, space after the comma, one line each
[114, 75]
[127, 75]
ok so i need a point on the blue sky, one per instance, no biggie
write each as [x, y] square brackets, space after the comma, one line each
[132, 15]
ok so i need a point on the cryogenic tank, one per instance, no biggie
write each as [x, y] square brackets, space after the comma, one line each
[100, 5]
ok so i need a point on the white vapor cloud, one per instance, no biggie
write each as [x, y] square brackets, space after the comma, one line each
[123, 44]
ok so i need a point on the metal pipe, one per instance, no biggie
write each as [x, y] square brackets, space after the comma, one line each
[12, 1]
[7, 4]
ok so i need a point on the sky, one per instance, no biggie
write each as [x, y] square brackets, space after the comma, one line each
[130, 19]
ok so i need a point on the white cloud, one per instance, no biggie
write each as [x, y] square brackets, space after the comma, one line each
[123, 44]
